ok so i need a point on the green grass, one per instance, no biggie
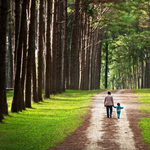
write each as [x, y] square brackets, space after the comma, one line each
[144, 123]
[144, 99]
[47, 123]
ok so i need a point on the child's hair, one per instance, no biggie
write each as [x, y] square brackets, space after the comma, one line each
[118, 104]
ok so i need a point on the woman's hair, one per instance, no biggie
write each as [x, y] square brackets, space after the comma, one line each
[109, 92]
[118, 104]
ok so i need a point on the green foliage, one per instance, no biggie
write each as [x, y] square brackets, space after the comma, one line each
[127, 25]
[88, 8]
[144, 123]
[47, 123]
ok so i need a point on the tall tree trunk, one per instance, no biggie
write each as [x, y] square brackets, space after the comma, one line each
[99, 58]
[16, 34]
[142, 73]
[40, 49]
[33, 77]
[66, 63]
[106, 65]
[17, 103]
[87, 54]
[29, 57]
[43, 35]
[10, 73]
[138, 76]
[54, 50]
[92, 61]
[134, 74]
[119, 80]
[59, 50]
[33, 66]
[3, 25]
[24, 53]
[80, 41]
[148, 72]
[90, 54]
[130, 87]
[113, 83]
[74, 61]
[82, 50]
[47, 51]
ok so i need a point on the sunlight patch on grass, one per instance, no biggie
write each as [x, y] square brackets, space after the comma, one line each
[47, 123]
[144, 99]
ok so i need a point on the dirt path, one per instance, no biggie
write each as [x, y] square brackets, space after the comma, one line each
[99, 132]
[109, 133]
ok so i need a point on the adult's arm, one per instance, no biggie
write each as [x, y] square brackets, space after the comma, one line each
[104, 101]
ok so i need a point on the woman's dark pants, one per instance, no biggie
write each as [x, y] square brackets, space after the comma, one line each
[109, 110]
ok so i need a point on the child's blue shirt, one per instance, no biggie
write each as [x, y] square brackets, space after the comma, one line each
[118, 108]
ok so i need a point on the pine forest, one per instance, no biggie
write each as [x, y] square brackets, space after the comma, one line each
[53, 45]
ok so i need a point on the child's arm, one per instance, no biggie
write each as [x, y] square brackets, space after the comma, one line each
[115, 106]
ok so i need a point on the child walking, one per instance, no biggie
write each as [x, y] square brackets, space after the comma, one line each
[118, 107]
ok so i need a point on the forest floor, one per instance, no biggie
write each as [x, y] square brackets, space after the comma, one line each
[99, 132]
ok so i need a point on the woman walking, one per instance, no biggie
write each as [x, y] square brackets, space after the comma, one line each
[108, 103]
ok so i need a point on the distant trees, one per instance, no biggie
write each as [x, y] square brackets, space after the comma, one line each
[128, 45]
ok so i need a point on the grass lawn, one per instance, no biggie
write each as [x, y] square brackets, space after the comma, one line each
[144, 123]
[47, 123]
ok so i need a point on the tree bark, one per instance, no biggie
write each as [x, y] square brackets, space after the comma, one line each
[138, 75]
[16, 34]
[10, 73]
[106, 65]
[130, 87]
[148, 72]
[33, 66]
[90, 57]
[66, 62]
[92, 61]
[47, 51]
[134, 74]
[24, 65]
[142, 73]
[87, 54]
[54, 50]
[82, 20]
[3, 25]
[74, 61]
[17, 99]
[40, 49]
[29, 57]
[98, 72]
[59, 48]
